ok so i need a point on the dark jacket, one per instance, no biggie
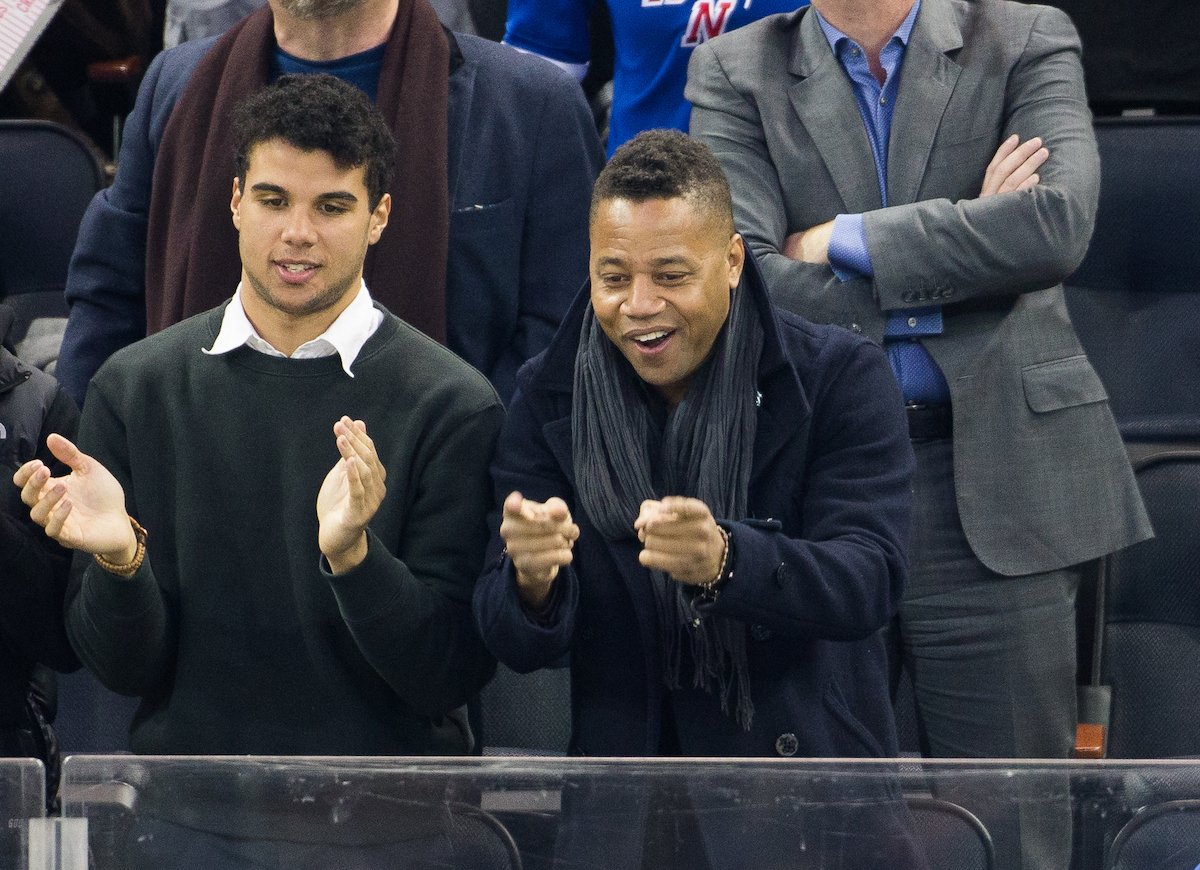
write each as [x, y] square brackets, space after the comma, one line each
[818, 565]
[33, 569]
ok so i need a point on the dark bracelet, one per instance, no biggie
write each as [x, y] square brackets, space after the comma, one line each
[710, 590]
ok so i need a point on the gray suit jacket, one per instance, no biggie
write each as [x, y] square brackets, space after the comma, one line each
[1041, 475]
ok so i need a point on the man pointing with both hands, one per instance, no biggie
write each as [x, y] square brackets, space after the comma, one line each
[705, 502]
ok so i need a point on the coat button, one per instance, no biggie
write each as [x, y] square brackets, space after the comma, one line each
[787, 744]
[856, 329]
[782, 574]
[758, 631]
[695, 622]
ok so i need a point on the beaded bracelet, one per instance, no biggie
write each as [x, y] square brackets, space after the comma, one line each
[130, 568]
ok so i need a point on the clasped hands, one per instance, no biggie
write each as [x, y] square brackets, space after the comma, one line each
[1014, 166]
[679, 537]
[85, 509]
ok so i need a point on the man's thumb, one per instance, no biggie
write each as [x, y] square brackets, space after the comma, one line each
[67, 453]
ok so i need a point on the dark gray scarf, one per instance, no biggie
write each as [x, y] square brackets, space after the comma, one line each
[707, 449]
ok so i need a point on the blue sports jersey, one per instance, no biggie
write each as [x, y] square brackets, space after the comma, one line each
[654, 40]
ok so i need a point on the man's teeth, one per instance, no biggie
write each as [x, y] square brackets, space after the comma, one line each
[652, 336]
[296, 267]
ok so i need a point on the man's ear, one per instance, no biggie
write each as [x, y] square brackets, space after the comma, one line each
[736, 258]
[379, 218]
[235, 203]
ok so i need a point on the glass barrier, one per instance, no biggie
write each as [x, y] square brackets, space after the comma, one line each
[22, 798]
[537, 813]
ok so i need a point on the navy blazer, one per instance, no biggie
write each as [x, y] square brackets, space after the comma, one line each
[523, 152]
[818, 565]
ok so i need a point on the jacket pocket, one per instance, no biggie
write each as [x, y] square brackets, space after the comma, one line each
[1062, 383]
[861, 742]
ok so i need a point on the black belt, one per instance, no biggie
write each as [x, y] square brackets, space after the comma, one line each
[927, 422]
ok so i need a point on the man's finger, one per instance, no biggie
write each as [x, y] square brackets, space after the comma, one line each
[57, 518]
[1018, 157]
[512, 504]
[1026, 170]
[51, 496]
[68, 454]
[541, 562]
[21, 475]
[35, 475]
[686, 508]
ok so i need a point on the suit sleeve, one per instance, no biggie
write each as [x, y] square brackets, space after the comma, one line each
[554, 241]
[519, 639]
[729, 122]
[409, 611]
[124, 629]
[1011, 242]
[106, 281]
[841, 573]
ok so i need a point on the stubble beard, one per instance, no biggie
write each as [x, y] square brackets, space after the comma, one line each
[318, 10]
[323, 301]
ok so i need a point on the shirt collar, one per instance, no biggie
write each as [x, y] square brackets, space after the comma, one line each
[838, 40]
[345, 336]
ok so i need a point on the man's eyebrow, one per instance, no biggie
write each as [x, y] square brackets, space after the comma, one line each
[678, 260]
[610, 261]
[339, 195]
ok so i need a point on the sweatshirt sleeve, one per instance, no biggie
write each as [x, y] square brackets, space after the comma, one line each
[123, 629]
[409, 608]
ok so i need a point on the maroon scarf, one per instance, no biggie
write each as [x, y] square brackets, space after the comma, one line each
[192, 261]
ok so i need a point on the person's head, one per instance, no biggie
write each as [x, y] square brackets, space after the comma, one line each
[665, 259]
[314, 162]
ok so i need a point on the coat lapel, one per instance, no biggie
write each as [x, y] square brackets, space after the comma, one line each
[927, 80]
[824, 101]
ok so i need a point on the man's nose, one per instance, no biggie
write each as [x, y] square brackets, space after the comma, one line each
[643, 300]
[299, 228]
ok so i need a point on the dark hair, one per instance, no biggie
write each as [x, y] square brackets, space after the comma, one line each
[665, 164]
[318, 113]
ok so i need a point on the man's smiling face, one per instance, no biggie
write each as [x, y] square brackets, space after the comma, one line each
[304, 226]
[662, 273]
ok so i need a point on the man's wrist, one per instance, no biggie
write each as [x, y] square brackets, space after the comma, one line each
[350, 558]
[534, 593]
[126, 561]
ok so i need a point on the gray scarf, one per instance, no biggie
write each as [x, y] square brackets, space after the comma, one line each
[707, 449]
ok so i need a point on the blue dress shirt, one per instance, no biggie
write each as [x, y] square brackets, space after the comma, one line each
[920, 378]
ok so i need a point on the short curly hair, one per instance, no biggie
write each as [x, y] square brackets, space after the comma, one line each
[318, 112]
[665, 164]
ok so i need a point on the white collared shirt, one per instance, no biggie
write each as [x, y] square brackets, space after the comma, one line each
[345, 336]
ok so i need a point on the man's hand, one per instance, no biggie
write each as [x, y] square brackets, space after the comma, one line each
[1014, 166]
[84, 510]
[811, 245]
[539, 537]
[680, 537]
[351, 494]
